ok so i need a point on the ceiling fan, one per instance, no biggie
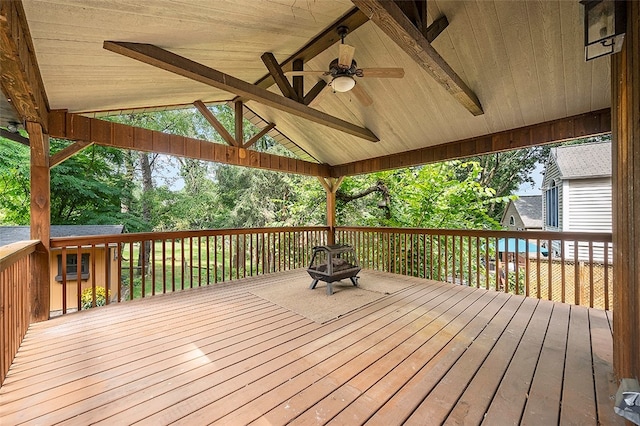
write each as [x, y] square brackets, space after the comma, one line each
[344, 69]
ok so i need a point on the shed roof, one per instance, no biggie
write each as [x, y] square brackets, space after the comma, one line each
[12, 234]
[582, 161]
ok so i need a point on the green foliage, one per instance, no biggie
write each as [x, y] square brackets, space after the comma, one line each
[429, 196]
[86, 297]
[14, 183]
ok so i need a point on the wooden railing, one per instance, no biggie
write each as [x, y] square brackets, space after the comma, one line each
[579, 269]
[139, 265]
[15, 265]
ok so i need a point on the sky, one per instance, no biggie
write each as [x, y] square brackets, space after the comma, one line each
[526, 189]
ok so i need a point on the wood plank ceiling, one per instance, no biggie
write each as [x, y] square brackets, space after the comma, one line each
[523, 60]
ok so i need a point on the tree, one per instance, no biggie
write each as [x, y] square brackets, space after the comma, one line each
[506, 171]
[14, 183]
[430, 196]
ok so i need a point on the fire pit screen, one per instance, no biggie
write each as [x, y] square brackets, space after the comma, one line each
[333, 263]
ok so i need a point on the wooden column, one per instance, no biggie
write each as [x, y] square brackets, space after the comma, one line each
[331, 186]
[625, 108]
[40, 222]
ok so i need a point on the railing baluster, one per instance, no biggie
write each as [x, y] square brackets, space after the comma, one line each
[591, 284]
[153, 267]
[606, 275]
[563, 275]
[550, 273]
[576, 277]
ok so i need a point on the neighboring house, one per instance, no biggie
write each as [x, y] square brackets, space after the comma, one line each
[523, 214]
[101, 257]
[577, 192]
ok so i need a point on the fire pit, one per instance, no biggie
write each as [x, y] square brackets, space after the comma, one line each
[333, 263]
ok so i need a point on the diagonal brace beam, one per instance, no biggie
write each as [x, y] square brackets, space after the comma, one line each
[394, 23]
[176, 64]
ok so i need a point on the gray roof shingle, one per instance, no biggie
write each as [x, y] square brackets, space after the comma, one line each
[584, 160]
[530, 209]
[12, 234]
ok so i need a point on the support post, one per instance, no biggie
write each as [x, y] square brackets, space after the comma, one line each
[331, 186]
[625, 109]
[40, 222]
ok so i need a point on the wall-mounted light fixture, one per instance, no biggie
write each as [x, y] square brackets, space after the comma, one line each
[604, 27]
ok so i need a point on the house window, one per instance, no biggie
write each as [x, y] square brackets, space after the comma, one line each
[72, 267]
[552, 207]
[512, 221]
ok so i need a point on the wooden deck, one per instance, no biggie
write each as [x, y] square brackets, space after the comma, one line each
[429, 354]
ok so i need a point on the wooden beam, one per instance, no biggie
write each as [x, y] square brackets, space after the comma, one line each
[583, 125]
[21, 81]
[67, 152]
[625, 103]
[314, 92]
[395, 24]
[215, 123]
[80, 128]
[327, 38]
[16, 137]
[331, 186]
[278, 76]
[255, 138]
[298, 80]
[171, 62]
[436, 27]
[40, 222]
[238, 117]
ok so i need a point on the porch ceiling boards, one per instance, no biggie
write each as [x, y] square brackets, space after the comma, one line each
[220, 354]
[523, 60]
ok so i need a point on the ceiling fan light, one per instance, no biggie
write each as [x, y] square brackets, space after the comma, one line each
[343, 83]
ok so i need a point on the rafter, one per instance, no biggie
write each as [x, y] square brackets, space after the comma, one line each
[238, 116]
[394, 23]
[171, 62]
[278, 76]
[255, 138]
[314, 92]
[21, 81]
[208, 115]
[327, 38]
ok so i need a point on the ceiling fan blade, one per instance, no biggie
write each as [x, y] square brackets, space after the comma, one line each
[345, 56]
[361, 95]
[383, 72]
[309, 72]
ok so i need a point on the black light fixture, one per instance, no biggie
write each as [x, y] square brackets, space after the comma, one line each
[604, 27]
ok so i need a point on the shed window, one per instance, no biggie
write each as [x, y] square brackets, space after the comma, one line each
[72, 267]
[552, 207]
[512, 221]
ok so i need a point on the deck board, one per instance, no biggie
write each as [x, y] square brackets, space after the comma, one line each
[432, 351]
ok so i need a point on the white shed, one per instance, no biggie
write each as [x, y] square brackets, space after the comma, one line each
[577, 191]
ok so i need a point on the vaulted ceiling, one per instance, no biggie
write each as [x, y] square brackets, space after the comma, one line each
[523, 60]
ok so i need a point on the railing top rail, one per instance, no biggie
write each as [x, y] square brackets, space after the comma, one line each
[542, 235]
[13, 252]
[146, 236]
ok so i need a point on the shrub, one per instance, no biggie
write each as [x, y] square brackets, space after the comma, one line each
[87, 297]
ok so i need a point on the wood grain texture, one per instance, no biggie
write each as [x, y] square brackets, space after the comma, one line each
[177, 64]
[239, 359]
[40, 225]
[21, 80]
[625, 80]
[590, 124]
[77, 127]
[390, 18]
